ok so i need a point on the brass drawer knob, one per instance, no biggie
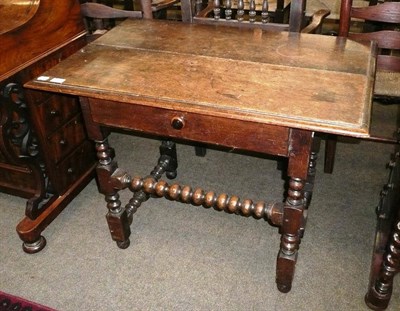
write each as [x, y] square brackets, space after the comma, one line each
[178, 123]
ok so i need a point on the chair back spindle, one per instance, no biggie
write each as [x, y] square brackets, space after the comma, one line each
[227, 8]
[254, 14]
[264, 12]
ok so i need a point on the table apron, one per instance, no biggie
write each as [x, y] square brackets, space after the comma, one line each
[228, 132]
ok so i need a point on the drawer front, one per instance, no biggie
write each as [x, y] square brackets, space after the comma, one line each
[232, 133]
[73, 167]
[18, 180]
[54, 109]
[66, 139]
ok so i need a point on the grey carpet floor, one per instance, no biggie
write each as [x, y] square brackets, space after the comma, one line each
[189, 258]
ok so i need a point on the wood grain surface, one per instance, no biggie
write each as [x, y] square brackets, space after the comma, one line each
[312, 82]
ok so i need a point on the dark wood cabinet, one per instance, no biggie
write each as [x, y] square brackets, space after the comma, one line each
[45, 155]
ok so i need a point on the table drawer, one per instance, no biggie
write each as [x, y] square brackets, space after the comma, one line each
[67, 138]
[232, 133]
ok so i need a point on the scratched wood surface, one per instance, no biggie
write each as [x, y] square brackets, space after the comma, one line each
[319, 83]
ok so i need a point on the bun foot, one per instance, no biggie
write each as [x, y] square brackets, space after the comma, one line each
[284, 288]
[171, 175]
[376, 301]
[34, 247]
[123, 244]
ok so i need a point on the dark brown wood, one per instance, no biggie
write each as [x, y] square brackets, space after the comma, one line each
[388, 63]
[300, 143]
[30, 230]
[330, 149]
[387, 12]
[117, 216]
[42, 136]
[378, 296]
[385, 261]
[345, 17]
[260, 137]
[237, 104]
[386, 39]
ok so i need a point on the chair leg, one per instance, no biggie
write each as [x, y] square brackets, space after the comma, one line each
[146, 9]
[330, 150]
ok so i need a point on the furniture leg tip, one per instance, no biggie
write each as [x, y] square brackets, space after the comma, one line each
[376, 302]
[123, 244]
[171, 175]
[35, 247]
[284, 288]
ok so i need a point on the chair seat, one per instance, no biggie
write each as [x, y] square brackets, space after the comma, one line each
[387, 83]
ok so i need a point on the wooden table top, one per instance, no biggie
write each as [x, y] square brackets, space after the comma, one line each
[313, 82]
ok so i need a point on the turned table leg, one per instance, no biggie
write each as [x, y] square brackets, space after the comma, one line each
[290, 239]
[117, 217]
[301, 171]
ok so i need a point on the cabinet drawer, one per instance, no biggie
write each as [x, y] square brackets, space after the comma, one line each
[18, 180]
[66, 139]
[73, 167]
[55, 110]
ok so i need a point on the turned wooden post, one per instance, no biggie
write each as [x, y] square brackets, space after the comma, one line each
[379, 294]
[117, 218]
[293, 211]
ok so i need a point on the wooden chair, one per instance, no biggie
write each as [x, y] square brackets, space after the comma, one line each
[387, 82]
[156, 8]
[275, 10]
[253, 14]
[97, 12]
